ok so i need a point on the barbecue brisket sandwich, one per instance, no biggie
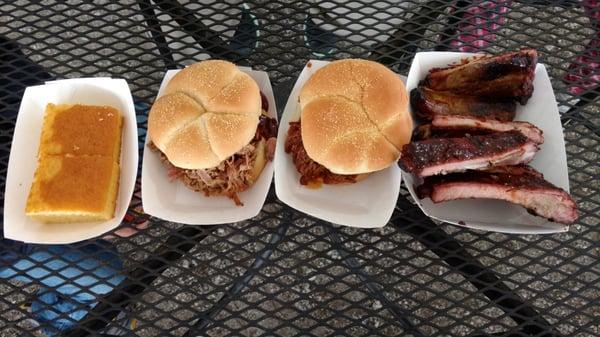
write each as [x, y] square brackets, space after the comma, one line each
[211, 130]
[354, 120]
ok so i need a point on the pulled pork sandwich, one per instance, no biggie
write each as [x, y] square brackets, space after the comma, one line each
[354, 121]
[211, 129]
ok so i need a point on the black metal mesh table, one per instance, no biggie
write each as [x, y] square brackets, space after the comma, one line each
[284, 273]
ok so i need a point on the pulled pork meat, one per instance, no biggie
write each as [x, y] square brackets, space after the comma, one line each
[232, 175]
[310, 171]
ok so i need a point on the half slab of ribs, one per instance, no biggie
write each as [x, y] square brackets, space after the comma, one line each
[520, 185]
[446, 155]
[506, 76]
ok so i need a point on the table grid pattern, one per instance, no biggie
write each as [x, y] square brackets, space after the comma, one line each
[284, 273]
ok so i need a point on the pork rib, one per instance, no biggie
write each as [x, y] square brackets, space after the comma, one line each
[486, 125]
[429, 104]
[504, 76]
[428, 131]
[520, 185]
[446, 155]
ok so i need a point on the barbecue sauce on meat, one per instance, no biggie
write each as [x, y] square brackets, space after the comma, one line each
[517, 177]
[267, 127]
[418, 155]
[519, 184]
[506, 76]
[429, 104]
[312, 174]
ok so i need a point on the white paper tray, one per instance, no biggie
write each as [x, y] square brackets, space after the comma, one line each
[172, 201]
[496, 215]
[23, 157]
[366, 204]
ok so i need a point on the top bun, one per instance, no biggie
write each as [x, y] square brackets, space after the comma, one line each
[354, 116]
[208, 112]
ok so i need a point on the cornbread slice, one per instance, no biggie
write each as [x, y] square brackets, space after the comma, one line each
[73, 189]
[79, 129]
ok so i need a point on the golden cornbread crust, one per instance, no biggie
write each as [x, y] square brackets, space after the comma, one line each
[77, 177]
[81, 130]
[74, 188]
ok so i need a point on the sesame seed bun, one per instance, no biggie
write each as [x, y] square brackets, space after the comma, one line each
[209, 111]
[354, 116]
